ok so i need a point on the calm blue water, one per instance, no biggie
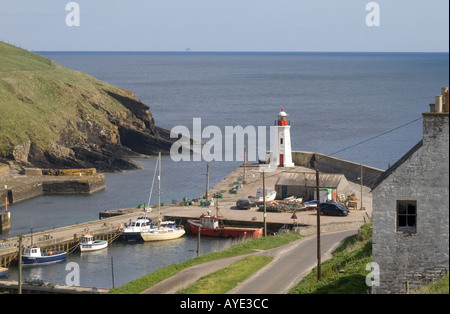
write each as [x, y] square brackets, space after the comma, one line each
[334, 101]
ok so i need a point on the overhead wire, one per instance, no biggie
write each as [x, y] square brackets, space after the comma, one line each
[376, 136]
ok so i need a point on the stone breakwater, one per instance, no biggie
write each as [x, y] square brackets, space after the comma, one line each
[37, 182]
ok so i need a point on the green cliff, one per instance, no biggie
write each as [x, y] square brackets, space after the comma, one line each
[51, 116]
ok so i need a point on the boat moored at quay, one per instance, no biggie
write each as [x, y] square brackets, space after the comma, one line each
[88, 244]
[212, 226]
[33, 256]
[132, 232]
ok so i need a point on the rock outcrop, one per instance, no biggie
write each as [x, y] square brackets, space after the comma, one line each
[53, 117]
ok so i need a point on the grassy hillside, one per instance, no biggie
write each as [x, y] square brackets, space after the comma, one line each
[44, 103]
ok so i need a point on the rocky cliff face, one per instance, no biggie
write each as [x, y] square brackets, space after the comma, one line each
[88, 144]
[53, 117]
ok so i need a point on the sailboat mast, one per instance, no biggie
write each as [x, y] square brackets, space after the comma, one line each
[159, 188]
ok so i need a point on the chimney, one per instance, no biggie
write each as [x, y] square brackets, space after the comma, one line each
[440, 102]
[445, 99]
[435, 122]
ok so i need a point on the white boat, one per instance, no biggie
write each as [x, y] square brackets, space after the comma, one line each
[259, 198]
[88, 244]
[164, 230]
[132, 232]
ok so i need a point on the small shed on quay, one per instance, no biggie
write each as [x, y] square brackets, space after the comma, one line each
[303, 184]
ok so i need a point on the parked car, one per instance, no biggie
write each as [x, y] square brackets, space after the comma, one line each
[243, 204]
[333, 209]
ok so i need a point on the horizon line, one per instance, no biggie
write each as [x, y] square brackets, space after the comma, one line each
[229, 51]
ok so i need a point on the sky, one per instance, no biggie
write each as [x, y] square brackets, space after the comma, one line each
[227, 25]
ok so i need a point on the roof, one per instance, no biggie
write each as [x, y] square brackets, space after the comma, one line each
[327, 180]
[399, 162]
[282, 113]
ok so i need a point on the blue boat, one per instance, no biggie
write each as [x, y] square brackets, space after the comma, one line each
[132, 232]
[3, 272]
[32, 256]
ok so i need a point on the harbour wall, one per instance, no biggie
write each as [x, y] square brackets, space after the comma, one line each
[275, 227]
[324, 163]
[63, 238]
[39, 182]
[29, 288]
[5, 222]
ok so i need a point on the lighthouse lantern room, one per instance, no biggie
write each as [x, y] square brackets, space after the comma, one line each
[284, 140]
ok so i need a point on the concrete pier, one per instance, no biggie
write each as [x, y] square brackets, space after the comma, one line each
[5, 222]
[38, 182]
[112, 220]
[27, 288]
[64, 238]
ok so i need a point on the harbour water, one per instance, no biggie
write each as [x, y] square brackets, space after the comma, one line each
[334, 101]
[120, 262]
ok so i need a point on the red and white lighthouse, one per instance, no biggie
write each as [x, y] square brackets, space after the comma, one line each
[284, 140]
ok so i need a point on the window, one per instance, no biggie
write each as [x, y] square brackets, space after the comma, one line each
[406, 216]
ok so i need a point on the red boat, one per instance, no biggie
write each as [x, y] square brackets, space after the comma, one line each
[212, 226]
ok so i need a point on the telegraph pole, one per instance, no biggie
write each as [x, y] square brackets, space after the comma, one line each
[319, 270]
[20, 265]
[264, 200]
[198, 240]
[207, 181]
[361, 182]
[244, 180]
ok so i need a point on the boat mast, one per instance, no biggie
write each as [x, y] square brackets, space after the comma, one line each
[159, 189]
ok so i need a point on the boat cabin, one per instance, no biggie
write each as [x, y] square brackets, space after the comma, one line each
[32, 252]
[138, 224]
[210, 221]
[86, 239]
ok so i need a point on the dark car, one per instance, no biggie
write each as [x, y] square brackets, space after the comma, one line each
[243, 204]
[333, 209]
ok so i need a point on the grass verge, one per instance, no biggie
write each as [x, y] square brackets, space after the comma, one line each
[439, 287]
[346, 272]
[138, 285]
[225, 279]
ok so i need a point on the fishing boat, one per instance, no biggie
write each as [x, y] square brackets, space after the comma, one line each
[163, 230]
[3, 271]
[259, 198]
[32, 256]
[213, 226]
[132, 231]
[88, 244]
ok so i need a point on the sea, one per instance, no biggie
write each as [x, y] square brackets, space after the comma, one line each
[362, 107]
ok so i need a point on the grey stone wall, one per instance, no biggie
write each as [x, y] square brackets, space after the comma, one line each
[415, 259]
[324, 163]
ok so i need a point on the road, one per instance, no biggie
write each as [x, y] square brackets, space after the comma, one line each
[291, 263]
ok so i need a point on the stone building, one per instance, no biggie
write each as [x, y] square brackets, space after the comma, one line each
[303, 184]
[411, 210]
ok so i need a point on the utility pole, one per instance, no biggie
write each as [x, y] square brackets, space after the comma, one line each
[264, 202]
[244, 180]
[20, 265]
[319, 270]
[207, 181]
[198, 240]
[361, 182]
[112, 271]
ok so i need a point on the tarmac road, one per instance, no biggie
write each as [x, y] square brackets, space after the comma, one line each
[291, 263]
